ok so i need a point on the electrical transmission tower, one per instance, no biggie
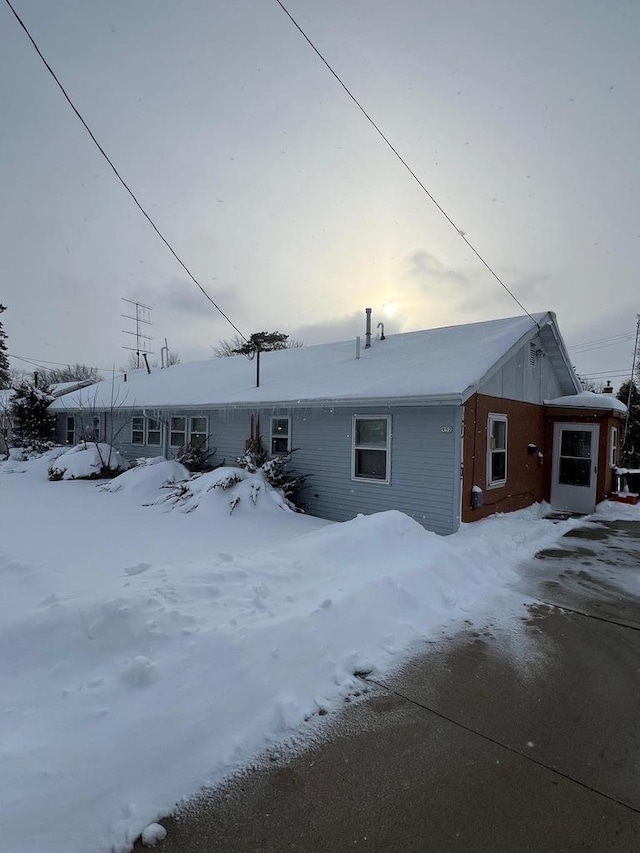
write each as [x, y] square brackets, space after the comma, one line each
[141, 317]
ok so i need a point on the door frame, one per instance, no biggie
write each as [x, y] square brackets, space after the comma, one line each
[574, 498]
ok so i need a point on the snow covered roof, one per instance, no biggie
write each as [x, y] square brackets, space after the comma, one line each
[589, 400]
[58, 389]
[445, 364]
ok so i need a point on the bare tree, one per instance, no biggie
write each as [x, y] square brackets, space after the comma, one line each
[592, 385]
[71, 373]
[132, 362]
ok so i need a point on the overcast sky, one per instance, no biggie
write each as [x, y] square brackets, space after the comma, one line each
[521, 118]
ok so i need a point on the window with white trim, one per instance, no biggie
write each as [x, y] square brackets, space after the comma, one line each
[92, 429]
[71, 429]
[497, 450]
[280, 438]
[613, 447]
[153, 433]
[198, 431]
[178, 434]
[137, 430]
[371, 447]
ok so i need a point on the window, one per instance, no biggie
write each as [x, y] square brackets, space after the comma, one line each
[178, 432]
[280, 436]
[497, 450]
[371, 447]
[137, 430]
[613, 446]
[71, 429]
[198, 432]
[92, 430]
[146, 430]
[154, 431]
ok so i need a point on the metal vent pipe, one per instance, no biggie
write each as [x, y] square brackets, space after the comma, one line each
[367, 334]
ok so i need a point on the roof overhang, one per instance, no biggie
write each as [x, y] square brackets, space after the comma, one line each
[252, 405]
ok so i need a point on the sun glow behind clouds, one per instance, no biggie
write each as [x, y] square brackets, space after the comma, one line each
[390, 309]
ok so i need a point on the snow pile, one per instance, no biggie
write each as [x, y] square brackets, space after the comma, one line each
[87, 461]
[229, 488]
[132, 675]
[588, 400]
[147, 477]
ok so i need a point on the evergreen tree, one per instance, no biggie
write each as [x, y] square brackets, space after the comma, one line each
[31, 424]
[5, 374]
[264, 341]
[630, 456]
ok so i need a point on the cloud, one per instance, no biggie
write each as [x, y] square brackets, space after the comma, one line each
[428, 271]
[324, 331]
[182, 297]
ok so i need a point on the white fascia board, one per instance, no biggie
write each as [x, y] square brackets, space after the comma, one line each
[442, 400]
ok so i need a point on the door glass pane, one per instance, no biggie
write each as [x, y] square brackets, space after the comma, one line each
[576, 443]
[575, 472]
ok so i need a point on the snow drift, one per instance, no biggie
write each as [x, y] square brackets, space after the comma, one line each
[133, 673]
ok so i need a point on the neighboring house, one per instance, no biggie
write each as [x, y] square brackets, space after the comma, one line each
[6, 395]
[446, 425]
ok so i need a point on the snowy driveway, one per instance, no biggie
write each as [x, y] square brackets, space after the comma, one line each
[481, 744]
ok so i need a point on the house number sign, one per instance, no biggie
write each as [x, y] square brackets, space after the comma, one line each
[446, 429]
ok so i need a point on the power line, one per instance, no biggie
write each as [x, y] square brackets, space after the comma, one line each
[41, 362]
[461, 233]
[616, 374]
[595, 346]
[118, 175]
[600, 340]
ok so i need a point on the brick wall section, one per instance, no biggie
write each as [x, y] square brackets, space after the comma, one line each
[525, 473]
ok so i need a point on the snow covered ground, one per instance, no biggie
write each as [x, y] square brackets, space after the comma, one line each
[147, 650]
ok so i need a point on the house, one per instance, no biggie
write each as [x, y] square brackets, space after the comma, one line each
[446, 425]
[59, 389]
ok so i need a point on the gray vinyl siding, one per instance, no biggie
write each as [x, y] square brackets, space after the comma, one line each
[424, 464]
[518, 380]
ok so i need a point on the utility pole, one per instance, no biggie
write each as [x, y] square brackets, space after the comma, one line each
[141, 317]
[631, 382]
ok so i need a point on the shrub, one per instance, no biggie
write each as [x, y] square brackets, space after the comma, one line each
[273, 470]
[196, 459]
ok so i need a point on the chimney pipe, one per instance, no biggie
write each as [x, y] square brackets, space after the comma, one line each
[367, 334]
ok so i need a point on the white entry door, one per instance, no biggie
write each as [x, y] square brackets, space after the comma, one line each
[575, 467]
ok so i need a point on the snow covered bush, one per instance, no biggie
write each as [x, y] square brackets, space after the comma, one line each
[254, 460]
[145, 479]
[88, 461]
[32, 427]
[196, 459]
[226, 489]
